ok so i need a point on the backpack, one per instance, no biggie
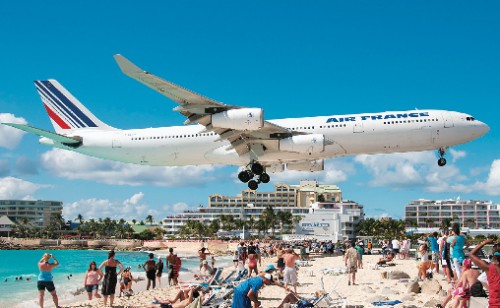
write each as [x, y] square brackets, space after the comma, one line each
[477, 290]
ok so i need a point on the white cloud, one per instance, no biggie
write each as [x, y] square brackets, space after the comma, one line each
[456, 155]
[73, 165]
[14, 188]
[9, 136]
[412, 170]
[128, 209]
[492, 184]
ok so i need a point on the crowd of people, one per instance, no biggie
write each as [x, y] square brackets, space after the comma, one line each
[437, 254]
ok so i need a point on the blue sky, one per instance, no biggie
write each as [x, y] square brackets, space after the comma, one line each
[291, 58]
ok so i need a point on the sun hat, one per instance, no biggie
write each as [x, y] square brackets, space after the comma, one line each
[270, 267]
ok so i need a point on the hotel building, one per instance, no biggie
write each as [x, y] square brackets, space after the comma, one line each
[301, 200]
[35, 212]
[468, 213]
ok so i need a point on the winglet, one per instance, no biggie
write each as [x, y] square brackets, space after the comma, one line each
[127, 67]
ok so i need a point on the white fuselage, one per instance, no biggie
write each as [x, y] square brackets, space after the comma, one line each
[370, 133]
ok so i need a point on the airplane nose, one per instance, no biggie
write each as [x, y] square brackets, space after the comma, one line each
[483, 128]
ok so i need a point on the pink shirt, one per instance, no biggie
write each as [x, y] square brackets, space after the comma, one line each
[92, 278]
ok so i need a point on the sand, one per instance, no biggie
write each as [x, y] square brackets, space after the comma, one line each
[371, 286]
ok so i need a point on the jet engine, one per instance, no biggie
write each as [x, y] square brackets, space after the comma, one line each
[239, 119]
[309, 165]
[308, 144]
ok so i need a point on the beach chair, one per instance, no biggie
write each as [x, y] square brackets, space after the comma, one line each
[327, 300]
[218, 298]
[241, 275]
[226, 279]
[213, 280]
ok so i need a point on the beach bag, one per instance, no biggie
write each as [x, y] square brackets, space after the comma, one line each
[477, 290]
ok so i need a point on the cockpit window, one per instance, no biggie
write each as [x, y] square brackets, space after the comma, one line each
[470, 119]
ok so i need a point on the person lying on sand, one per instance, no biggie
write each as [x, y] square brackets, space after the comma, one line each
[180, 300]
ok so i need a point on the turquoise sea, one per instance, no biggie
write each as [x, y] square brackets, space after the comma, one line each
[68, 276]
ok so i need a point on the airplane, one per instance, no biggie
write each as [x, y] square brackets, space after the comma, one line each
[219, 134]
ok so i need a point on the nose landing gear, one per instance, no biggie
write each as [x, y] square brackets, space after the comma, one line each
[252, 171]
[441, 160]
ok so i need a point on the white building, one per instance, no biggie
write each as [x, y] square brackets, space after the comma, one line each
[300, 200]
[468, 213]
[331, 220]
[34, 212]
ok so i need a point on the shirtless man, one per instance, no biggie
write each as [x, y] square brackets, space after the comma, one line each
[170, 262]
[460, 292]
[290, 273]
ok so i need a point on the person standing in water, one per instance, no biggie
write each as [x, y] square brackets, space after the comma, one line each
[110, 277]
[91, 280]
[45, 278]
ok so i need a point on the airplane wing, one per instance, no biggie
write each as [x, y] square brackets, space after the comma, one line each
[198, 108]
[69, 141]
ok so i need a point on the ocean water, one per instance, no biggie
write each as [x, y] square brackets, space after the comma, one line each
[68, 276]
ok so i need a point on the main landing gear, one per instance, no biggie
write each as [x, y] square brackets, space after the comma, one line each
[254, 174]
[441, 160]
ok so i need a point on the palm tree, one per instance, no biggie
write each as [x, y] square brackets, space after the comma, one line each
[471, 222]
[214, 226]
[285, 219]
[445, 224]
[269, 218]
[149, 219]
[134, 221]
[79, 217]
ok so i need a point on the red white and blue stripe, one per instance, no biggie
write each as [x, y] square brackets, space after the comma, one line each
[63, 109]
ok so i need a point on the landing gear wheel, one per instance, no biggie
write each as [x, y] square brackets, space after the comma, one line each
[257, 168]
[245, 176]
[264, 178]
[441, 162]
[253, 185]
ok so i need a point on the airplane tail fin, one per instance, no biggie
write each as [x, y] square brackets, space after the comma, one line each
[65, 111]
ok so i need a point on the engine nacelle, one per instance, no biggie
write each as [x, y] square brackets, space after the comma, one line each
[239, 119]
[308, 144]
[309, 165]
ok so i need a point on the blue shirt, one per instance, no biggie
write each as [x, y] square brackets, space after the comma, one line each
[45, 276]
[240, 297]
[434, 244]
[457, 250]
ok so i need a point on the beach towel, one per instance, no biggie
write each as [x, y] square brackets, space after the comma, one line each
[389, 303]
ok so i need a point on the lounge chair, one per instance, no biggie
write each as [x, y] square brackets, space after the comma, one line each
[241, 275]
[218, 298]
[327, 300]
[226, 279]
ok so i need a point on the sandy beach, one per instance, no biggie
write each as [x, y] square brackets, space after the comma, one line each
[372, 285]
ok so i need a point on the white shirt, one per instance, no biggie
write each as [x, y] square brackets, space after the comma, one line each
[395, 244]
